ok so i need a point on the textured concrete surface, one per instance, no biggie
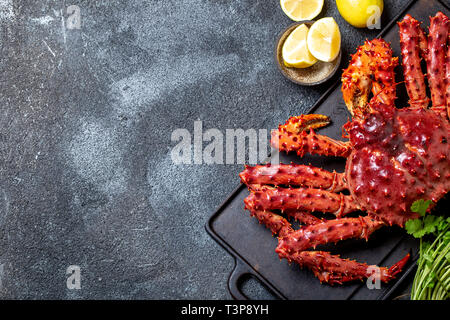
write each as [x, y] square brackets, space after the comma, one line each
[86, 119]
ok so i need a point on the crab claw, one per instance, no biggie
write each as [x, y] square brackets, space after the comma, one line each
[297, 124]
[297, 135]
[286, 138]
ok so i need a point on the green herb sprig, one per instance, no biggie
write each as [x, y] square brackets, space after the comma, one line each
[432, 279]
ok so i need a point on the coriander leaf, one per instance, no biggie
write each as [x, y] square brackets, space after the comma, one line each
[414, 227]
[443, 224]
[420, 206]
[431, 223]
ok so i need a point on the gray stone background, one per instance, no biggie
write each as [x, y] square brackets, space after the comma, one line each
[86, 119]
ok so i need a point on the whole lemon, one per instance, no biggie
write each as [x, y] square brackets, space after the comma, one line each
[361, 13]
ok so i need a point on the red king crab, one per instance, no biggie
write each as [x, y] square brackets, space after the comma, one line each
[394, 156]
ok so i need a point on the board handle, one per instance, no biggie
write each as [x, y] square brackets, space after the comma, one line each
[236, 278]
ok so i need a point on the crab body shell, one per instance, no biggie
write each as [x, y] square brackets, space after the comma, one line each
[398, 156]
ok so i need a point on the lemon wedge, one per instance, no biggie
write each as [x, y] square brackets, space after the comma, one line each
[324, 39]
[295, 51]
[299, 10]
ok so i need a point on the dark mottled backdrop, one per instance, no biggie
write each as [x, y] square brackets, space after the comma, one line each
[86, 119]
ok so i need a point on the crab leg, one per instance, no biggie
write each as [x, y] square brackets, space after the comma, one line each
[303, 217]
[328, 268]
[326, 232]
[279, 225]
[293, 175]
[302, 199]
[331, 268]
[276, 223]
[413, 43]
[335, 270]
[437, 45]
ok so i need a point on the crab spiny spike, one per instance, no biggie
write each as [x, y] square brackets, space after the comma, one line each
[413, 43]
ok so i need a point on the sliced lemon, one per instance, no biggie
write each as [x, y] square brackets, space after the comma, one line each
[295, 50]
[299, 10]
[324, 39]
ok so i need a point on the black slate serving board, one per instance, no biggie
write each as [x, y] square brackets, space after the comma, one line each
[253, 246]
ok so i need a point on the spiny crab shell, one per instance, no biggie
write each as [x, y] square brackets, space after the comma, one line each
[399, 156]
